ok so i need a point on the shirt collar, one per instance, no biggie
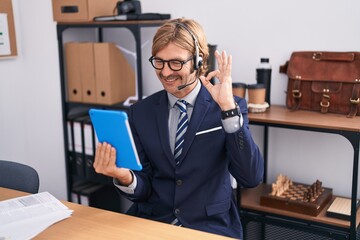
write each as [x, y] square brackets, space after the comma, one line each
[190, 98]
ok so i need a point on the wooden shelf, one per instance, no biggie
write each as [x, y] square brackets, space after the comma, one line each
[283, 116]
[250, 199]
[117, 23]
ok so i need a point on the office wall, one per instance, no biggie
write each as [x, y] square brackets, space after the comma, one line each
[30, 106]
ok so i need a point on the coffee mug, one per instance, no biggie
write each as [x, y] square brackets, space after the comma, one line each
[239, 89]
[256, 93]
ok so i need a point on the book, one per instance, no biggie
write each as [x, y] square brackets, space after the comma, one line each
[341, 208]
[113, 127]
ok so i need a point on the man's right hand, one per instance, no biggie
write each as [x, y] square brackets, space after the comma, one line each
[105, 159]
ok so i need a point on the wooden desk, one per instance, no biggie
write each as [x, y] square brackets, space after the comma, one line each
[92, 223]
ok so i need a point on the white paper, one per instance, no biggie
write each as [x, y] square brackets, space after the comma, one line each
[4, 35]
[25, 217]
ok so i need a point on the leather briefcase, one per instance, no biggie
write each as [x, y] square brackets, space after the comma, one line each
[324, 82]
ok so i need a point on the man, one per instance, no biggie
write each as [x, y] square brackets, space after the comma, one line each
[186, 170]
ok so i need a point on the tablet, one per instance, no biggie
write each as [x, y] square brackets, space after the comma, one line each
[113, 127]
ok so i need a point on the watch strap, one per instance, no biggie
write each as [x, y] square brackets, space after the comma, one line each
[231, 113]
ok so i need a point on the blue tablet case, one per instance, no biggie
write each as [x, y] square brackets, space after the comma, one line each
[113, 127]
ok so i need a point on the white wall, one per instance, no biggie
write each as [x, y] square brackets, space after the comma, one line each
[30, 106]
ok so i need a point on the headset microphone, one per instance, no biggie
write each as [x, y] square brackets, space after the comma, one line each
[185, 85]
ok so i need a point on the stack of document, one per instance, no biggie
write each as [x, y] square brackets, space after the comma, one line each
[25, 217]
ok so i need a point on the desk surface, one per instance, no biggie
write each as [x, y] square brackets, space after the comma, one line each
[283, 116]
[92, 223]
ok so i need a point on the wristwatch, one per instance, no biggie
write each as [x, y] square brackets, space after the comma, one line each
[231, 113]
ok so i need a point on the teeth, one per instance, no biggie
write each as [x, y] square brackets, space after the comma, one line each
[170, 79]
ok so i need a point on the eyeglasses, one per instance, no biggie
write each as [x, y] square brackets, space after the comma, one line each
[175, 65]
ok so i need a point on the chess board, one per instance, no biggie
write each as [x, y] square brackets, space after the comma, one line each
[293, 199]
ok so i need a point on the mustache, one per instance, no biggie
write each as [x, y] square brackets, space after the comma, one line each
[169, 78]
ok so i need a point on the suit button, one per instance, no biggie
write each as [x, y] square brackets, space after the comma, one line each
[177, 211]
[179, 182]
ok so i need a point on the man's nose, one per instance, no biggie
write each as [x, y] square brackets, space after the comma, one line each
[166, 71]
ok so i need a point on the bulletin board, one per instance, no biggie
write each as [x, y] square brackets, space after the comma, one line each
[7, 30]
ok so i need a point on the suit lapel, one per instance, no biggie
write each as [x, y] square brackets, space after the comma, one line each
[201, 107]
[162, 116]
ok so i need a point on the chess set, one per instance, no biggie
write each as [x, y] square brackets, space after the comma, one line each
[296, 197]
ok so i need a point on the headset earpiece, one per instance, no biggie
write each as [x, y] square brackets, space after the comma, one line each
[198, 60]
[198, 63]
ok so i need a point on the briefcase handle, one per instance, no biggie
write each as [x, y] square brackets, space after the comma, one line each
[334, 56]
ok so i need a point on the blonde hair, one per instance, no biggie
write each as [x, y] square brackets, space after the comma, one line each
[171, 32]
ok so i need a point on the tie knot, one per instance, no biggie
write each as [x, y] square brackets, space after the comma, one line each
[181, 104]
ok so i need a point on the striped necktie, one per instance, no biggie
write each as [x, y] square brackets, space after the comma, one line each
[181, 128]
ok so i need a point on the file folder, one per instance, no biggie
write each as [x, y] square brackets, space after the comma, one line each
[115, 78]
[89, 149]
[73, 77]
[71, 139]
[87, 72]
[79, 147]
[70, 152]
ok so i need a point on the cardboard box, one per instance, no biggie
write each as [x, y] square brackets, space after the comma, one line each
[82, 10]
[97, 73]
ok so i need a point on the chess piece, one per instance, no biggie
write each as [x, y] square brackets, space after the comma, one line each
[273, 189]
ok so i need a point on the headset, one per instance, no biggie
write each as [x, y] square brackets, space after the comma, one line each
[198, 61]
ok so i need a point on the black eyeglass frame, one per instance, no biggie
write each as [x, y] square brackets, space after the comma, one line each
[168, 62]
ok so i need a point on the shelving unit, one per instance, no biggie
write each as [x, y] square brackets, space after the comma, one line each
[262, 222]
[135, 28]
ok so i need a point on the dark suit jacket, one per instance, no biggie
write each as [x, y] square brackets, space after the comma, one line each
[197, 190]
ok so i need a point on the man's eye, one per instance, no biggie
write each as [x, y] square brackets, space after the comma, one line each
[175, 63]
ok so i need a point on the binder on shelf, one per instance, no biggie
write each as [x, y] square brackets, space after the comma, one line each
[70, 151]
[71, 140]
[79, 147]
[115, 78]
[87, 72]
[98, 73]
[73, 77]
[89, 144]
